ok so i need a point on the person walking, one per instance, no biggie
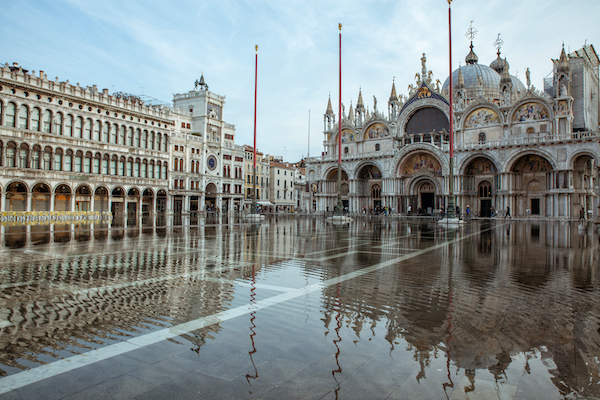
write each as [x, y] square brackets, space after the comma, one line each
[507, 213]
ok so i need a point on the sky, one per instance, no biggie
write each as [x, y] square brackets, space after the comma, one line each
[157, 48]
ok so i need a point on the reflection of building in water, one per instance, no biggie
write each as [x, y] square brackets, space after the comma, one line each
[491, 301]
[75, 303]
[535, 152]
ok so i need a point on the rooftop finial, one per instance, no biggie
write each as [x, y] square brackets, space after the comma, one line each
[471, 32]
[498, 44]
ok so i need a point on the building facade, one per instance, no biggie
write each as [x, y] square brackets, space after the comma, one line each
[535, 152]
[66, 148]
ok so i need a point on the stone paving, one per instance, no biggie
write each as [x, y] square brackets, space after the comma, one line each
[296, 308]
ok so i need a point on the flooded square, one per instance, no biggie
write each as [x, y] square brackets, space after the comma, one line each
[295, 307]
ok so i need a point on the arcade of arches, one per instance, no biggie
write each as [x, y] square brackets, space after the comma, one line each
[19, 197]
[530, 186]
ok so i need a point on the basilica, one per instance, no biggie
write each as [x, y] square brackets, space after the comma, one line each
[533, 152]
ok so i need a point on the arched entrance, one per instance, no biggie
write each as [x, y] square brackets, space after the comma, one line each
[583, 182]
[331, 187]
[83, 198]
[425, 195]
[369, 186]
[210, 201]
[101, 199]
[16, 197]
[62, 198]
[478, 183]
[133, 197]
[147, 202]
[161, 201]
[40, 197]
[530, 183]
[117, 206]
[484, 193]
[418, 174]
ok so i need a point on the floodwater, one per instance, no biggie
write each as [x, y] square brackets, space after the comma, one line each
[299, 308]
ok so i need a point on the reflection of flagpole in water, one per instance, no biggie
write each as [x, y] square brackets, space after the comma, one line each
[449, 318]
[252, 318]
[338, 326]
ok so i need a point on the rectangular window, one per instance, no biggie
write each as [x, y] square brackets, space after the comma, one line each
[113, 167]
[105, 167]
[96, 169]
[68, 163]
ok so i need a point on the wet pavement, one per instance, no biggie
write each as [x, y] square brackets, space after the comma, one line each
[295, 308]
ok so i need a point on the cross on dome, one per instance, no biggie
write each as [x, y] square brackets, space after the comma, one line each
[498, 44]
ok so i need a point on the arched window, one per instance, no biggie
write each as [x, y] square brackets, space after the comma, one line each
[426, 120]
[176, 163]
[69, 126]
[482, 137]
[485, 189]
[136, 168]
[11, 150]
[113, 165]
[11, 111]
[130, 137]
[181, 165]
[87, 130]
[122, 166]
[23, 117]
[152, 139]
[24, 156]
[151, 171]
[122, 135]
[97, 164]
[58, 121]
[47, 122]
[136, 142]
[114, 132]
[97, 129]
[47, 158]
[105, 164]
[68, 162]
[377, 147]
[106, 132]
[78, 164]
[58, 160]
[129, 171]
[144, 172]
[35, 156]
[376, 191]
[78, 126]
[145, 140]
[346, 150]
[35, 119]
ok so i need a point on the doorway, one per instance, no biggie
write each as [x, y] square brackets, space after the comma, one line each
[535, 206]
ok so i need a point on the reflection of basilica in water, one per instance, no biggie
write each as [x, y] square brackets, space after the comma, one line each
[504, 295]
[536, 152]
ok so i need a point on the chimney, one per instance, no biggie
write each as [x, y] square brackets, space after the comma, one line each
[41, 74]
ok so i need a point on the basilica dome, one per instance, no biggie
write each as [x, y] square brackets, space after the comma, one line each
[481, 80]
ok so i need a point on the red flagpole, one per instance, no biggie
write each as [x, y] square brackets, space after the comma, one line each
[340, 104]
[451, 86]
[255, 91]
[254, 147]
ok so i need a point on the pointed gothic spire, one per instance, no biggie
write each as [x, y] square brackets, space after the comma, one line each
[393, 96]
[329, 108]
[563, 61]
[351, 113]
[359, 103]
[460, 81]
